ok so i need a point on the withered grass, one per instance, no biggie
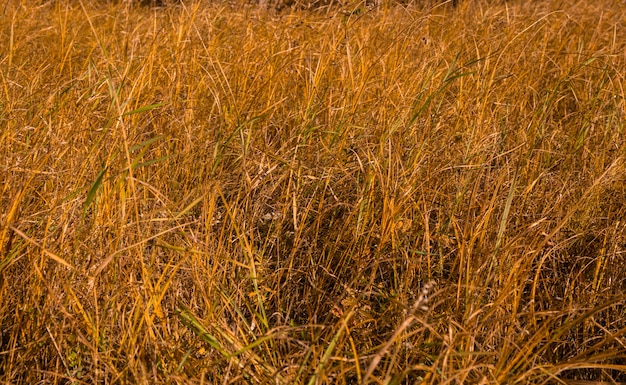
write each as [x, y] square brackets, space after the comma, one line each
[216, 193]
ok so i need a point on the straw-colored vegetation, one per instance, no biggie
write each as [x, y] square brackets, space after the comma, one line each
[220, 193]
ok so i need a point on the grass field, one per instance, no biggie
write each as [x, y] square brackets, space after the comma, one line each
[217, 193]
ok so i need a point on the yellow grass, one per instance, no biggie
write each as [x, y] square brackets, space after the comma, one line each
[216, 193]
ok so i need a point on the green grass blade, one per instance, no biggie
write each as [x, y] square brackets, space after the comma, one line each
[94, 188]
[143, 109]
[189, 320]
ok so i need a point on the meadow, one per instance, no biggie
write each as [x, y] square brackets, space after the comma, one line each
[347, 193]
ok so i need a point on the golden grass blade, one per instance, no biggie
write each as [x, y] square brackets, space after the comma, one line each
[51, 255]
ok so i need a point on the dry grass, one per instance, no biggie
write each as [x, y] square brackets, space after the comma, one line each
[222, 194]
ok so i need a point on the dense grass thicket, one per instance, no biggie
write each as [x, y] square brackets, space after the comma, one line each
[222, 193]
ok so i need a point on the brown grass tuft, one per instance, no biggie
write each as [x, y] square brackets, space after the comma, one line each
[223, 193]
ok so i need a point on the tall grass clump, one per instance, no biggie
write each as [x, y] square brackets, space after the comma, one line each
[222, 193]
